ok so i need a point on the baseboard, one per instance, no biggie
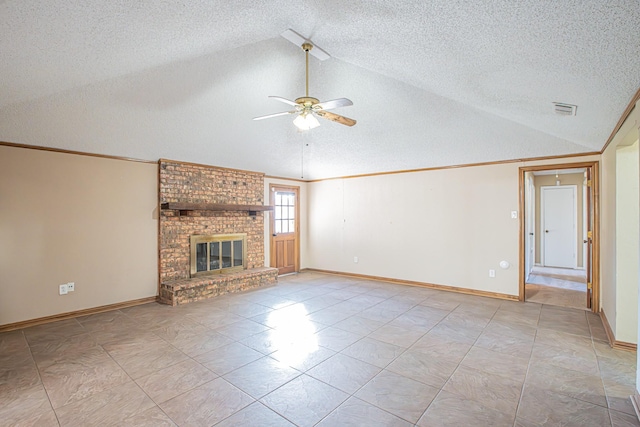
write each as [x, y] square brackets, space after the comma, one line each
[607, 328]
[620, 345]
[72, 314]
[421, 284]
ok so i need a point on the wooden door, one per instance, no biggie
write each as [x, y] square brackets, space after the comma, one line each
[285, 228]
[589, 239]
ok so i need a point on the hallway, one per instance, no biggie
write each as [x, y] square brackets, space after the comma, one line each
[557, 286]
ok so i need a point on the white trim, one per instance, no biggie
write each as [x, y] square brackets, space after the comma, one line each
[575, 223]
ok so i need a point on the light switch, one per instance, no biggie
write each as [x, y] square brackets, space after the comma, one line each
[514, 214]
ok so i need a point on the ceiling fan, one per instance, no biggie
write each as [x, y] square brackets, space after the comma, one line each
[307, 108]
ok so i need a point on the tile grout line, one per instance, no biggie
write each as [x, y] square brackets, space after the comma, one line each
[157, 405]
[40, 376]
[606, 394]
[135, 382]
[515, 420]
[606, 406]
[460, 364]
[368, 336]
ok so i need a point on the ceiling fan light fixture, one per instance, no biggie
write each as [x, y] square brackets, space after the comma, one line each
[306, 121]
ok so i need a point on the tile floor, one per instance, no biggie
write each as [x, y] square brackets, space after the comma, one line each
[320, 350]
[557, 286]
[571, 274]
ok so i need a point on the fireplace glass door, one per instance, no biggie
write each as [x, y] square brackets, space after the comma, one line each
[217, 253]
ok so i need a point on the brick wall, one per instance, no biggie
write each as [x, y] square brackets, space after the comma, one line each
[184, 182]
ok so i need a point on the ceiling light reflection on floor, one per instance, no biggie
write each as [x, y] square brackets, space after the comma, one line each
[294, 335]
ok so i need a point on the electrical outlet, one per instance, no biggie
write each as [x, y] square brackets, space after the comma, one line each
[64, 289]
[492, 273]
[355, 259]
[71, 286]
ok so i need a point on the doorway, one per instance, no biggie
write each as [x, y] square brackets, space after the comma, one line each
[284, 228]
[558, 235]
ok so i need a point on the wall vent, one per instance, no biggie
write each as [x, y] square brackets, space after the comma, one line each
[563, 109]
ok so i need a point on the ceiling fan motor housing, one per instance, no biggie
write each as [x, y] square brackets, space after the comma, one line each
[307, 101]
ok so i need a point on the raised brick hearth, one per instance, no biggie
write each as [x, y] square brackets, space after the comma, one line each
[190, 290]
[189, 183]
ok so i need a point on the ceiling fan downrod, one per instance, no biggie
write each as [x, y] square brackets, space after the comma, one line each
[306, 46]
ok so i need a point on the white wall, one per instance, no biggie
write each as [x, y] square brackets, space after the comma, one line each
[304, 247]
[616, 295]
[608, 290]
[627, 248]
[445, 227]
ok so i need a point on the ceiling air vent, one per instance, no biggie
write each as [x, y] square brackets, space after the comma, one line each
[563, 109]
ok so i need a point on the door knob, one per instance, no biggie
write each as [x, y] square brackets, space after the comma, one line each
[274, 234]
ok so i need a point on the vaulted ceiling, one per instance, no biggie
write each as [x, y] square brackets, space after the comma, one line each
[433, 83]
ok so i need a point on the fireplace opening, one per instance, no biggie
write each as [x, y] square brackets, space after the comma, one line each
[218, 253]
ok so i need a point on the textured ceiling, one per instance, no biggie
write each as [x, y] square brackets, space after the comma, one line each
[433, 83]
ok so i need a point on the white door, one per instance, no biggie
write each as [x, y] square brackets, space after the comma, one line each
[559, 236]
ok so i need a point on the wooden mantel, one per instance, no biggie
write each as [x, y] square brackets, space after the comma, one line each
[186, 207]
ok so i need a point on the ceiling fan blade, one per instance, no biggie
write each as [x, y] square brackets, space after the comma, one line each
[285, 100]
[298, 40]
[284, 113]
[336, 118]
[334, 103]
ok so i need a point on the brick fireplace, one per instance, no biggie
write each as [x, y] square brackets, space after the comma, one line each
[186, 184]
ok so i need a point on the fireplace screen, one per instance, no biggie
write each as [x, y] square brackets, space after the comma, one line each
[217, 253]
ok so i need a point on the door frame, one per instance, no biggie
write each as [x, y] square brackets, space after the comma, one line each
[530, 226]
[575, 222]
[594, 201]
[585, 221]
[272, 247]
